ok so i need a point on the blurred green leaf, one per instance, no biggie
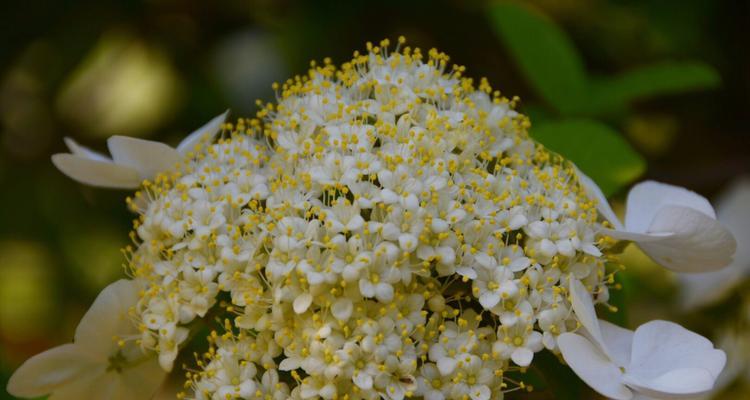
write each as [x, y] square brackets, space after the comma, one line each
[596, 149]
[613, 93]
[545, 55]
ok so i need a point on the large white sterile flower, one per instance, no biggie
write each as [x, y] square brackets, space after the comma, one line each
[133, 160]
[733, 211]
[659, 360]
[676, 227]
[103, 361]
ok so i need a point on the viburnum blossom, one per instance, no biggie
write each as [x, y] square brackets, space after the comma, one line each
[704, 289]
[386, 229]
[659, 360]
[103, 362]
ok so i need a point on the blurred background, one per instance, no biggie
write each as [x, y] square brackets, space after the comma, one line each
[630, 90]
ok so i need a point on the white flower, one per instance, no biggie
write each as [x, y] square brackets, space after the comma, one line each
[477, 379]
[733, 211]
[133, 160]
[660, 359]
[518, 343]
[493, 284]
[95, 365]
[551, 238]
[674, 226]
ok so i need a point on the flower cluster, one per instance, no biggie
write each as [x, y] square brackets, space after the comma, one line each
[387, 229]
[355, 224]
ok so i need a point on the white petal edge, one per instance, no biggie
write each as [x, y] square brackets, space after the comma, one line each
[83, 151]
[594, 192]
[733, 211]
[142, 381]
[593, 366]
[147, 157]
[698, 243]
[522, 356]
[45, 372]
[619, 342]
[96, 173]
[302, 303]
[206, 132]
[661, 346]
[583, 306]
[679, 382]
[647, 198]
[342, 309]
[108, 317]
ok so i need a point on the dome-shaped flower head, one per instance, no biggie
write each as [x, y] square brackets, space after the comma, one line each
[385, 229]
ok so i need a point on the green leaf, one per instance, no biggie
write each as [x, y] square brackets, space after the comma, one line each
[664, 78]
[595, 148]
[544, 54]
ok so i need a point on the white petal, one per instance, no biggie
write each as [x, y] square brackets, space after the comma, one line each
[356, 223]
[342, 309]
[108, 317]
[439, 225]
[46, 372]
[367, 288]
[522, 356]
[446, 365]
[467, 272]
[289, 364]
[489, 299]
[537, 229]
[661, 346]
[84, 152]
[485, 260]
[647, 198]
[619, 342]
[302, 302]
[147, 157]
[733, 211]
[362, 380]
[96, 173]
[206, 132]
[675, 383]
[583, 306]
[698, 243]
[591, 250]
[407, 242]
[82, 388]
[592, 366]
[517, 222]
[519, 264]
[142, 381]
[384, 292]
[480, 393]
[547, 248]
[447, 255]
